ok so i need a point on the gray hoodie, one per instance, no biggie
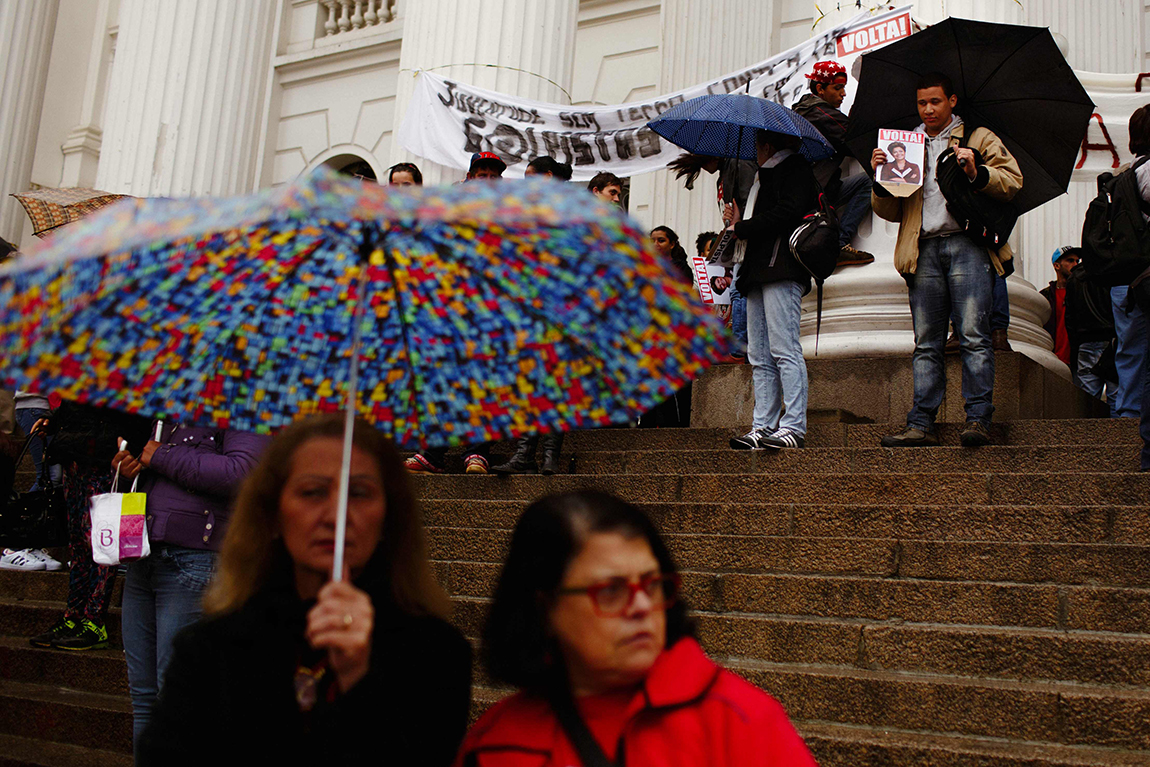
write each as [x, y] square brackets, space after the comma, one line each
[936, 218]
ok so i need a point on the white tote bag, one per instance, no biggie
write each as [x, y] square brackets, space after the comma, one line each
[119, 526]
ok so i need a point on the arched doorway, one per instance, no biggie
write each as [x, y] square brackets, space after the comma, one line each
[352, 165]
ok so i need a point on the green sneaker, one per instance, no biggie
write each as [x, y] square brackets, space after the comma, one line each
[62, 628]
[89, 637]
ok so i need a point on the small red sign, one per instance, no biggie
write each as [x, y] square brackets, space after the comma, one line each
[874, 35]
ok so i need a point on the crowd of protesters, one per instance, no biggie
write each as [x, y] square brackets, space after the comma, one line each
[236, 637]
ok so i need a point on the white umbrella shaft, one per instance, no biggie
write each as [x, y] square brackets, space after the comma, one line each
[348, 429]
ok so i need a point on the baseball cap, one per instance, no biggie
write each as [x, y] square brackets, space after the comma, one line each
[1065, 250]
[487, 158]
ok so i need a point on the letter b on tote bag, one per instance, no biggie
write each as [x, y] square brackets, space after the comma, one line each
[119, 527]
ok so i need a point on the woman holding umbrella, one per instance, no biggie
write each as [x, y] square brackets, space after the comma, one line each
[774, 284]
[290, 668]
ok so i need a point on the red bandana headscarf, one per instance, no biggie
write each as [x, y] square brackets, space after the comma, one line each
[828, 72]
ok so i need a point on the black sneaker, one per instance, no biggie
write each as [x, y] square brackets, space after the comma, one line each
[752, 440]
[89, 637]
[974, 434]
[781, 439]
[62, 628]
[911, 436]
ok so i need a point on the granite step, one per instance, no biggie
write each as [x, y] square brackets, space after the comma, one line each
[1062, 563]
[61, 715]
[993, 488]
[1039, 523]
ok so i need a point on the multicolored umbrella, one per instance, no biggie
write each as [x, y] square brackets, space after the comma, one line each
[492, 310]
[52, 208]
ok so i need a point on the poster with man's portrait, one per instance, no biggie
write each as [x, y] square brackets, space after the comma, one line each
[901, 174]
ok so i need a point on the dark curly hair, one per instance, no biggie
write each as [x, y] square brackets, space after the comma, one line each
[1140, 131]
[517, 646]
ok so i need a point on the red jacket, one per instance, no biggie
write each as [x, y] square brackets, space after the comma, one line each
[690, 712]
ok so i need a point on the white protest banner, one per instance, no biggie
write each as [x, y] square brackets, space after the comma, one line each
[905, 154]
[447, 121]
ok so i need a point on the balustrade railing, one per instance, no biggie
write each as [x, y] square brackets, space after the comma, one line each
[348, 15]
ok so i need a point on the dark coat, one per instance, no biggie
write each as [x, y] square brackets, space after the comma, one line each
[787, 192]
[832, 123]
[228, 695]
[191, 481]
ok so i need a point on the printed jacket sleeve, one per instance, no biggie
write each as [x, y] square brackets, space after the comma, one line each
[211, 473]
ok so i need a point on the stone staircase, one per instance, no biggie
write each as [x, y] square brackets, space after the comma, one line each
[936, 606]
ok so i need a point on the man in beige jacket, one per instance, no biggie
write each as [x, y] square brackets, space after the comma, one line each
[944, 269]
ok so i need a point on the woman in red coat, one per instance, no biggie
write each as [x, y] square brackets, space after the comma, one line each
[588, 624]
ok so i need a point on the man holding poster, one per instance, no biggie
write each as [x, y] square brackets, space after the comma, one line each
[944, 269]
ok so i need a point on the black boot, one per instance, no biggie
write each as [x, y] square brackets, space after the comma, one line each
[523, 462]
[552, 446]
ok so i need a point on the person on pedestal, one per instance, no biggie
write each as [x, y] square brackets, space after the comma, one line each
[850, 196]
[523, 461]
[944, 270]
[774, 284]
[485, 166]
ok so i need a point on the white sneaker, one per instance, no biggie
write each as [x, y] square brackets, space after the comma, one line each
[20, 560]
[49, 562]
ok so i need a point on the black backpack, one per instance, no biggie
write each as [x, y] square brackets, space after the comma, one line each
[1115, 245]
[815, 246]
[986, 221]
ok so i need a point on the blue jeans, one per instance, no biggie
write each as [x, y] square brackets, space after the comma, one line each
[776, 357]
[27, 418]
[999, 305]
[953, 276]
[162, 594]
[739, 319]
[1131, 357]
[852, 203]
[1144, 426]
[1089, 352]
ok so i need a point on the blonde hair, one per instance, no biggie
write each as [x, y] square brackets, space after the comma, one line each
[398, 570]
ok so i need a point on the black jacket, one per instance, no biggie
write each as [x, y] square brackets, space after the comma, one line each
[228, 695]
[832, 123]
[787, 192]
[1089, 313]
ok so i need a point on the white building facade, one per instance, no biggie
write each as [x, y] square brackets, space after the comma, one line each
[193, 97]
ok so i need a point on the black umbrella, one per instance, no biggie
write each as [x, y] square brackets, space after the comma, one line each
[1010, 79]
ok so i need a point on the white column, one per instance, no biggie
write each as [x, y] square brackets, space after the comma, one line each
[532, 42]
[701, 41]
[81, 149]
[184, 106]
[26, 30]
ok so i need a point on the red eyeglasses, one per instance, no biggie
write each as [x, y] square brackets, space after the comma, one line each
[611, 598]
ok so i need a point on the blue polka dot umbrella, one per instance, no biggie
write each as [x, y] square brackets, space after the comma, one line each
[724, 125]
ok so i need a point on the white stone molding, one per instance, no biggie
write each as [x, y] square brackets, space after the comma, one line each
[530, 43]
[184, 106]
[26, 31]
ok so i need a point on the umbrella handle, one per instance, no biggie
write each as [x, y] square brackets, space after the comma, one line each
[365, 249]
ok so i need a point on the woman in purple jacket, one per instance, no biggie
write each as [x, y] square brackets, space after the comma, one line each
[190, 478]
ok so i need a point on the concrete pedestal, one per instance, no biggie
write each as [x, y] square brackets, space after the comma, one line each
[880, 390]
